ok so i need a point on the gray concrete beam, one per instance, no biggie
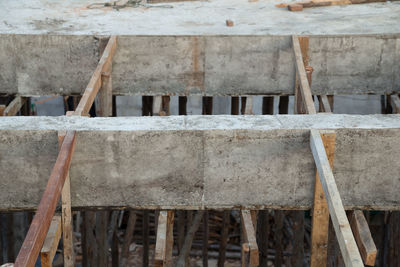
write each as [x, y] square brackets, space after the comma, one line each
[201, 161]
[36, 65]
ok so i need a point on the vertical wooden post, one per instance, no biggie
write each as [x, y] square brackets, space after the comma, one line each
[278, 238]
[145, 238]
[268, 105]
[224, 238]
[283, 104]
[114, 249]
[298, 242]
[235, 105]
[105, 107]
[181, 229]
[50, 244]
[184, 253]
[206, 232]
[128, 238]
[249, 244]
[165, 239]
[263, 228]
[248, 107]
[2, 108]
[101, 237]
[320, 218]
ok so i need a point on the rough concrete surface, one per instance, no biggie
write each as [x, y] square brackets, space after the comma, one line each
[36, 65]
[196, 18]
[201, 161]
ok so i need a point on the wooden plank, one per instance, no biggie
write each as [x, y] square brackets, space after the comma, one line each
[187, 245]
[170, 239]
[268, 105]
[164, 239]
[345, 237]
[102, 217]
[15, 105]
[145, 236]
[66, 215]
[181, 229]
[305, 90]
[2, 108]
[104, 67]
[104, 105]
[297, 259]
[161, 239]
[41, 222]
[165, 106]
[263, 230]
[157, 105]
[90, 228]
[395, 103]
[224, 238]
[84, 243]
[206, 233]
[249, 234]
[235, 105]
[321, 3]
[363, 237]
[249, 106]
[128, 238]
[114, 250]
[320, 218]
[279, 217]
[324, 105]
[50, 244]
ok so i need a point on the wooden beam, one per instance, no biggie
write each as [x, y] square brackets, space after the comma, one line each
[165, 239]
[157, 106]
[224, 238]
[249, 234]
[304, 86]
[324, 105]
[101, 222]
[128, 238]
[2, 108]
[320, 218]
[67, 231]
[363, 237]
[395, 103]
[187, 245]
[298, 6]
[341, 224]
[206, 234]
[145, 237]
[15, 105]
[104, 103]
[41, 222]
[50, 244]
[103, 69]
[249, 106]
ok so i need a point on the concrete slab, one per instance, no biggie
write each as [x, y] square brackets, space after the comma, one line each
[196, 18]
[201, 161]
[36, 65]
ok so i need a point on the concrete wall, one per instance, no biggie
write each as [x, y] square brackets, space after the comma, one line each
[201, 161]
[205, 65]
